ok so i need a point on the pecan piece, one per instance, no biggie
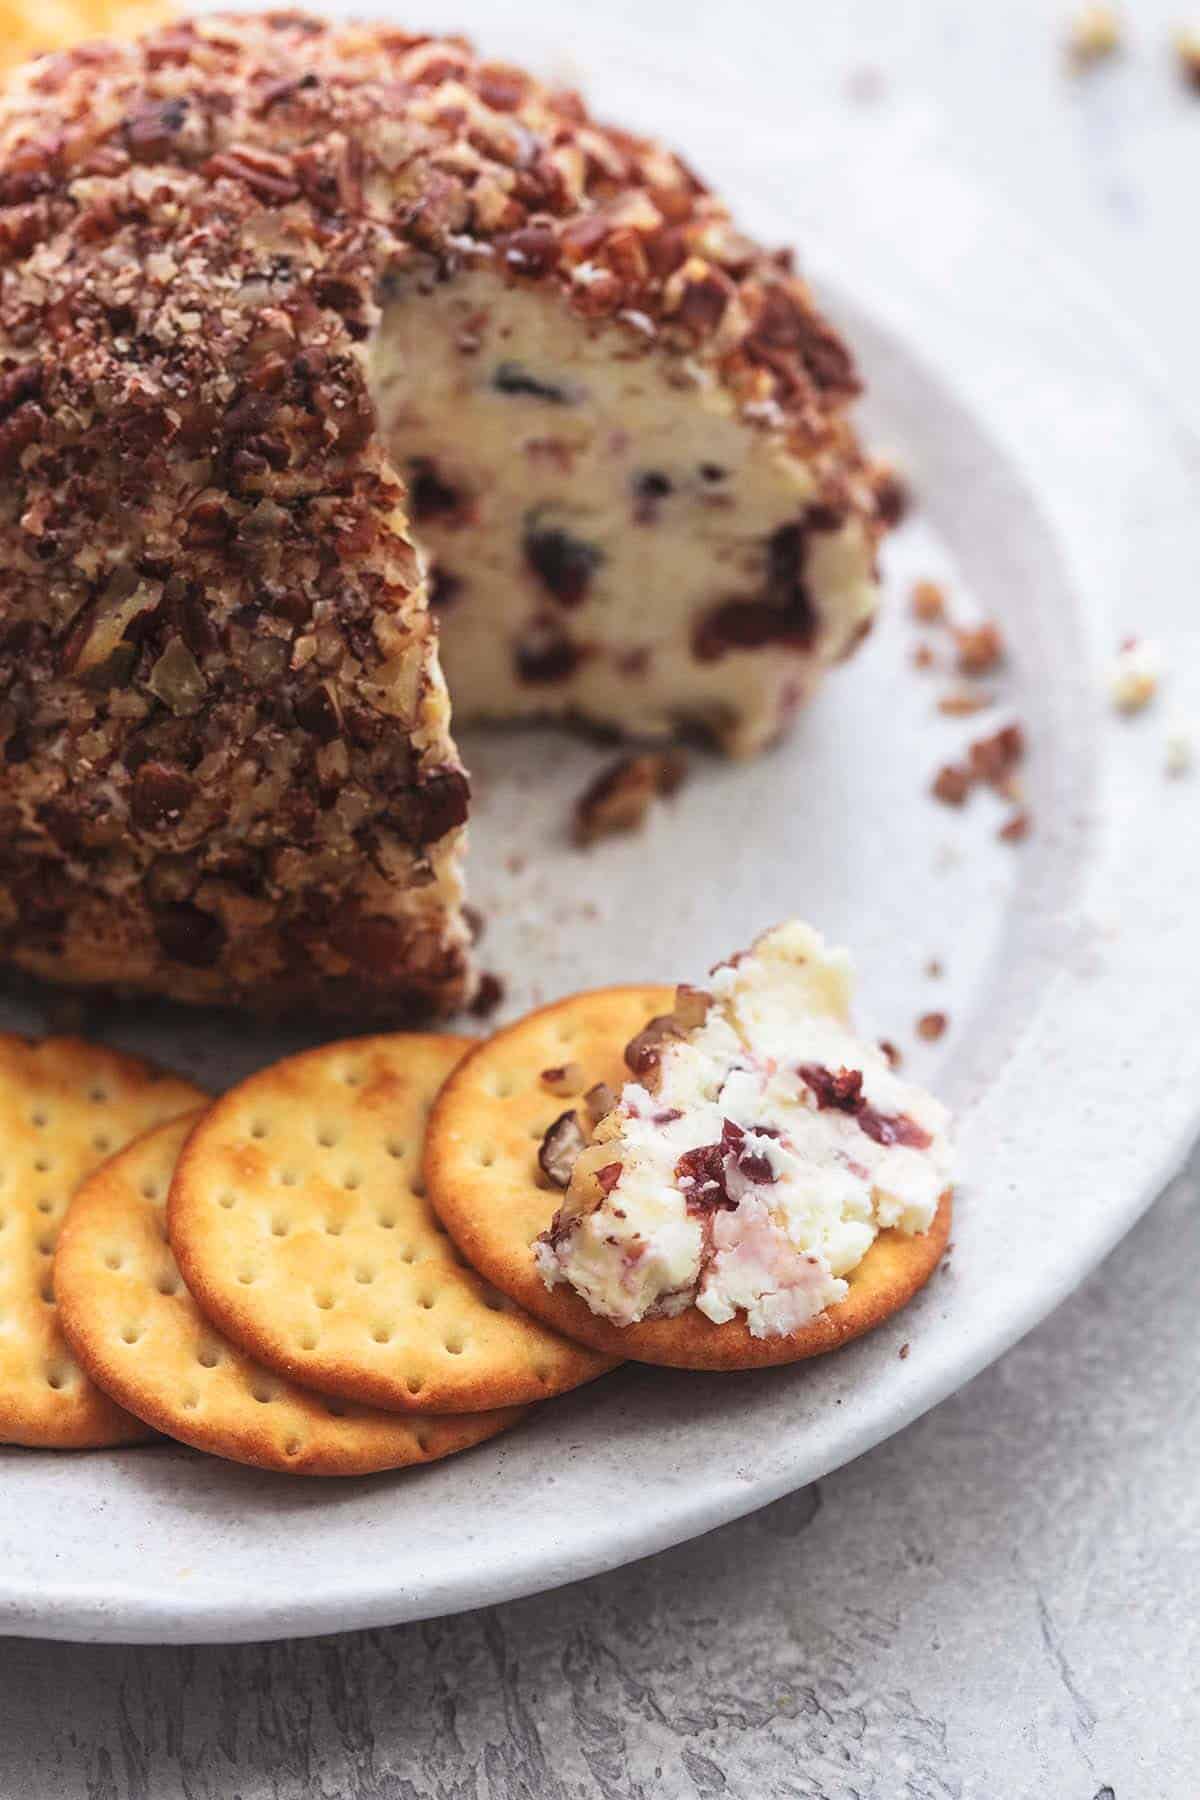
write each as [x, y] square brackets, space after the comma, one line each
[697, 296]
[620, 797]
[561, 1149]
[151, 129]
[160, 796]
[599, 1101]
[270, 178]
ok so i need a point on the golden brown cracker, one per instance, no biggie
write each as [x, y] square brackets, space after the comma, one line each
[482, 1174]
[299, 1221]
[134, 1326]
[65, 1106]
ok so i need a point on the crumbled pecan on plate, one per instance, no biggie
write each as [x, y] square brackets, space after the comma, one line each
[620, 797]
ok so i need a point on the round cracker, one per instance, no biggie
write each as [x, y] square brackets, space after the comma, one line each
[65, 1106]
[482, 1175]
[136, 1329]
[299, 1221]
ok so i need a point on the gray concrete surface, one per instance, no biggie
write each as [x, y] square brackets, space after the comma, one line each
[1001, 1604]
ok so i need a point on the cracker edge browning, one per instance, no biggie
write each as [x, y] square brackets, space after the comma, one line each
[250, 1448]
[101, 1424]
[357, 1386]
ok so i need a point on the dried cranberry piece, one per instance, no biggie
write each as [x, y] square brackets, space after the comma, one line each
[894, 1128]
[431, 497]
[563, 563]
[753, 1164]
[782, 614]
[444, 588]
[514, 378]
[701, 1173]
[842, 1090]
[609, 1176]
[649, 487]
[189, 935]
[547, 659]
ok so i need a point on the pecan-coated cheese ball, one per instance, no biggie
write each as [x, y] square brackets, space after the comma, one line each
[275, 296]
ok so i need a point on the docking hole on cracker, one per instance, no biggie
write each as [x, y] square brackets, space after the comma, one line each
[134, 1326]
[342, 1276]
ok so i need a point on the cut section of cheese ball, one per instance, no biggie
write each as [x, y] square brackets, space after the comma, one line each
[614, 534]
[749, 1166]
[258, 274]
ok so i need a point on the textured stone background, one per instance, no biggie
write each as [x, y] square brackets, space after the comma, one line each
[1001, 1604]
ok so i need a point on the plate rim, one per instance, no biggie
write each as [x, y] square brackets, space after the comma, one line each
[90, 1610]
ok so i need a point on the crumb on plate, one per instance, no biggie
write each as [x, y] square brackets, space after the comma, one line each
[928, 602]
[1094, 33]
[1134, 676]
[980, 648]
[620, 797]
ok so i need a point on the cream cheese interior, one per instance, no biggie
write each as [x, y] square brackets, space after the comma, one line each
[588, 506]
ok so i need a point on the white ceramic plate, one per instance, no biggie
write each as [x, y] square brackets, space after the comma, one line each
[1061, 498]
